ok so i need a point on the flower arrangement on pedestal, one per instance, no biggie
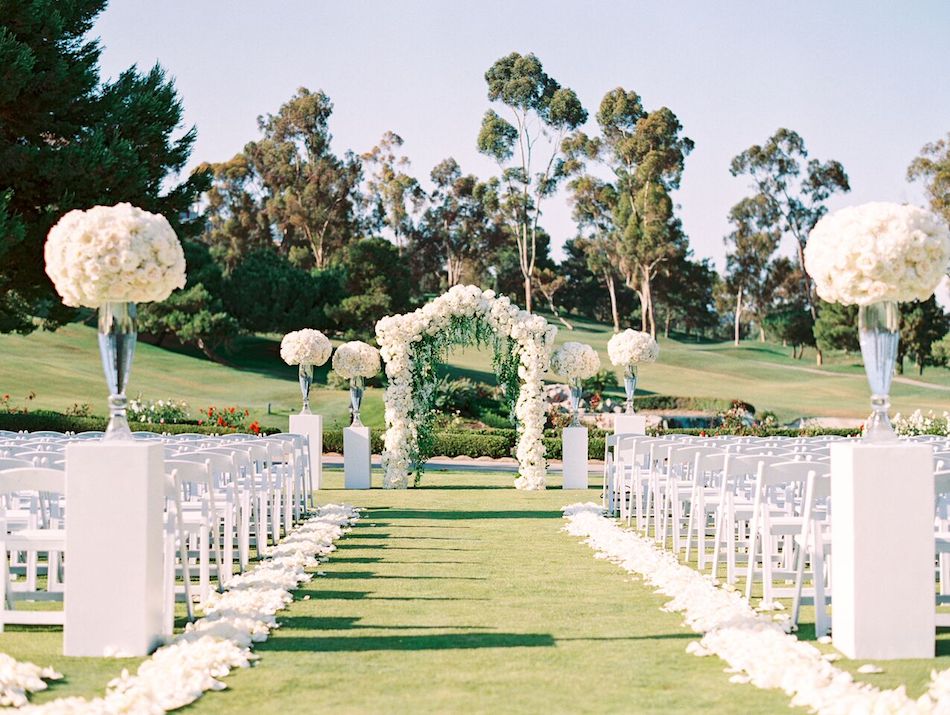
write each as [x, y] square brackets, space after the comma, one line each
[110, 258]
[356, 361]
[411, 343]
[627, 350]
[305, 348]
[576, 362]
[874, 256]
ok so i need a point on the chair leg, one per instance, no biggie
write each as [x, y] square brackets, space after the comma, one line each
[204, 566]
[750, 567]
[821, 614]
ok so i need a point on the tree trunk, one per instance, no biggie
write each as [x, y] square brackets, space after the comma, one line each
[819, 358]
[666, 328]
[211, 354]
[612, 290]
[650, 318]
[738, 324]
[557, 313]
[527, 293]
[761, 333]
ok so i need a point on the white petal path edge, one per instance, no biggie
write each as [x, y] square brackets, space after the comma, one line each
[194, 662]
[756, 648]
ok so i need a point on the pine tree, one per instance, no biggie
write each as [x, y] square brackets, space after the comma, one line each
[68, 141]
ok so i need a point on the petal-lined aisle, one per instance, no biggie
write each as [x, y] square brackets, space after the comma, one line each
[465, 596]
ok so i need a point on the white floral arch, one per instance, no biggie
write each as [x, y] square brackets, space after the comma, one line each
[412, 342]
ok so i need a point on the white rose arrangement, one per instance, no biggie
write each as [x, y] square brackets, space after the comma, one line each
[533, 338]
[631, 347]
[305, 347]
[575, 361]
[356, 359]
[877, 252]
[114, 254]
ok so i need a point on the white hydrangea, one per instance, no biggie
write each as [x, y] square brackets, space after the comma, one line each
[877, 252]
[632, 346]
[534, 338]
[114, 254]
[575, 360]
[305, 347]
[356, 359]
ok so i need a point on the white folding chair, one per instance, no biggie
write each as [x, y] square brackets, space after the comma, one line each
[40, 535]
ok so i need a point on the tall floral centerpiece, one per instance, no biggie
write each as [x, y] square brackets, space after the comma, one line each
[576, 362]
[875, 256]
[356, 361]
[305, 348]
[110, 258]
[627, 350]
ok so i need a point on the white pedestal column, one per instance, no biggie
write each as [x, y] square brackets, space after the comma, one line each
[357, 458]
[630, 424]
[574, 457]
[114, 556]
[882, 551]
[312, 426]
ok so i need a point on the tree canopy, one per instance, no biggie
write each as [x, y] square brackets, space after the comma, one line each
[69, 141]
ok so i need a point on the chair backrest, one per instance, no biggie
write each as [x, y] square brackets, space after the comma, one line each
[942, 482]
[146, 435]
[43, 459]
[188, 472]
[791, 471]
[47, 433]
[219, 463]
[709, 462]
[14, 463]
[39, 479]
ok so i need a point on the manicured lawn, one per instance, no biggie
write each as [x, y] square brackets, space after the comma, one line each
[63, 369]
[465, 596]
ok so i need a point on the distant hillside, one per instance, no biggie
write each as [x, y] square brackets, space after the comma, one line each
[63, 369]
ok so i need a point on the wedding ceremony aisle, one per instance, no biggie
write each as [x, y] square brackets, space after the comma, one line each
[466, 596]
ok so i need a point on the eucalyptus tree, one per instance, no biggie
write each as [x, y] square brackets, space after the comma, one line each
[594, 201]
[310, 195]
[795, 188]
[460, 218]
[235, 223]
[646, 153]
[932, 166]
[531, 169]
[751, 245]
[550, 282]
[394, 194]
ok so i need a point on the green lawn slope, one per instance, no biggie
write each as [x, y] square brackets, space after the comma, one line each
[63, 370]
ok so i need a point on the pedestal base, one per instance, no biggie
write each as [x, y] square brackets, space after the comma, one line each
[630, 424]
[574, 441]
[357, 458]
[882, 551]
[312, 427]
[113, 585]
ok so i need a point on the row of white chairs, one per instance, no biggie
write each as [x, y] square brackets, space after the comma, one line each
[223, 496]
[738, 501]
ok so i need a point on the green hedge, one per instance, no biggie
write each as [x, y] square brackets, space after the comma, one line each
[41, 420]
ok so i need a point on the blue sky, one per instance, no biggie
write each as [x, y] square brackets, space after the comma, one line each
[862, 82]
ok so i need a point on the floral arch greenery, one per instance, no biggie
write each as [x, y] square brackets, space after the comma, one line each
[412, 343]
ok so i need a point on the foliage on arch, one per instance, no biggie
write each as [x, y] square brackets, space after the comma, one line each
[412, 343]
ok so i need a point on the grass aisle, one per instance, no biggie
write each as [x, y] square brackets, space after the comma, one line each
[465, 596]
